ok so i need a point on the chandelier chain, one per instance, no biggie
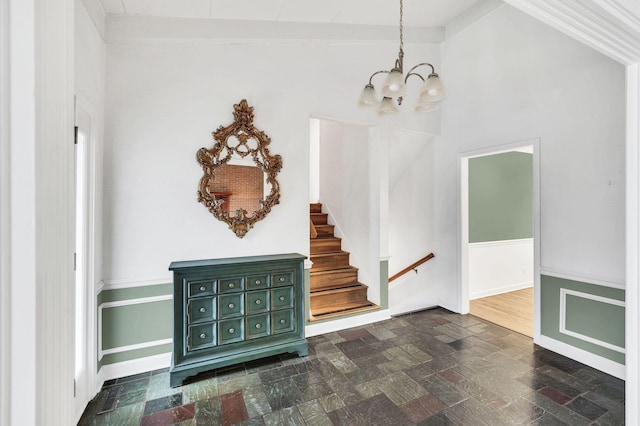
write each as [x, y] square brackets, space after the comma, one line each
[401, 30]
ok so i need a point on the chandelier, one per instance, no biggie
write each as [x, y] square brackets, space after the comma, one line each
[395, 85]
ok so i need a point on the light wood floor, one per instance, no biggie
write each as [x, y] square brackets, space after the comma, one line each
[513, 310]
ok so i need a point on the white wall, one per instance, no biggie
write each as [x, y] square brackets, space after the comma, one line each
[411, 224]
[163, 100]
[497, 267]
[512, 78]
[348, 192]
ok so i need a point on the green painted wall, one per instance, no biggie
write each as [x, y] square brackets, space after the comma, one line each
[135, 323]
[501, 197]
[598, 320]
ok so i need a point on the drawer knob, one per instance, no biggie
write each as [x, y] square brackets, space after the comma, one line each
[258, 302]
[231, 285]
[258, 282]
[232, 330]
[202, 288]
[202, 335]
[203, 309]
[231, 306]
[281, 279]
[282, 298]
[258, 325]
[283, 321]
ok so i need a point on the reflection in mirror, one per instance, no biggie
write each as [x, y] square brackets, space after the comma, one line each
[239, 185]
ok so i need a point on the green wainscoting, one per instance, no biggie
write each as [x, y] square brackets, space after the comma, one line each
[590, 314]
[134, 316]
[501, 197]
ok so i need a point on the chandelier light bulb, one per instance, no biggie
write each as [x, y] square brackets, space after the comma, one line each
[433, 90]
[387, 107]
[368, 97]
[394, 84]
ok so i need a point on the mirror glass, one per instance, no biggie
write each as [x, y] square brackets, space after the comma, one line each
[239, 185]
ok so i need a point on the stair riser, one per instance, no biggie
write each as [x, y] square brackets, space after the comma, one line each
[325, 263]
[325, 246]
[337, 279]
[319, 218]
[322, 300]
[315, 208]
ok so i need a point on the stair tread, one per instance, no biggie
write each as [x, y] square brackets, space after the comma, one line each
[343, 289]
[349, 269]
[343, 309]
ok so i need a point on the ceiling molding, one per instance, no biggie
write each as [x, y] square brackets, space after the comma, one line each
[597, 25]
[121, 29]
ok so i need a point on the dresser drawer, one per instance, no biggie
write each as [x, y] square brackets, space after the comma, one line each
[230, 305]
[282, 278]
[282, 298]
[282, 321]
[201, 309]
[201, 336]
[257, 301]
[257, 326]
[201, 288]
[257, 282]
[229, 285]
[230, 331]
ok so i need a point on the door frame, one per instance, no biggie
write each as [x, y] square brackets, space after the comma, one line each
[463, 222]
[87, 392]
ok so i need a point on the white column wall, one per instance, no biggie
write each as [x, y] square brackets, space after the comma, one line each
[512, 78]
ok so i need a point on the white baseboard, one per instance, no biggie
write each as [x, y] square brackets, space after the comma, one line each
[135, 366]
[315, 329]
[610, 367]
[501, 290]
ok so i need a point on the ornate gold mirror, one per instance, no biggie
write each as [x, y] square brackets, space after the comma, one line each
[239, 185]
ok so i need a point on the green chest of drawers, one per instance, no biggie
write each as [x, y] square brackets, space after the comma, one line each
[229, 311]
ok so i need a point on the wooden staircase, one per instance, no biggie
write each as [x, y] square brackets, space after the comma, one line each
[335, 290]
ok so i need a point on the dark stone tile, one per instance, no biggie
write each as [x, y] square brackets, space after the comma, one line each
[233, 408]
[355, 349]
[548, 420]
[423, 408]
[451, 375]
[370, 360]
[282, 394]
[355, 333]
[555, 395]
[133, 397]
[164, 403]
[439, 419]
[521, 412]
[277, 374]
[444, 390]
[342, 417]
[310, 387]
[586, 408]
[168, 417]
[612, 390]
[380, 408]
[208, 412]
[472, 412]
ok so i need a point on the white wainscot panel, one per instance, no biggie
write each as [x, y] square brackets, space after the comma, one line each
[500, 266]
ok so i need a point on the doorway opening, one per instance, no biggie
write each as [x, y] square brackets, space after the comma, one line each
[499, 228]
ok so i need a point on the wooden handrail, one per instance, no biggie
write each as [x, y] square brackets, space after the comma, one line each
[411, 267]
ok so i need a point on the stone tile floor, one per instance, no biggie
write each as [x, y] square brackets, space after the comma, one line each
[429, 368]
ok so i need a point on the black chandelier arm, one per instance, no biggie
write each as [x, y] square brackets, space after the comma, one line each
[374, 74]
[433, 71]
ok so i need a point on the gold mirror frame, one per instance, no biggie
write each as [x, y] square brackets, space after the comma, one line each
[223, 150]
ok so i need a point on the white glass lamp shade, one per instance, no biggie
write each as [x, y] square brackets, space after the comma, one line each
[394, 86]
[387, 107]
[433, 90]
[368, 97]
[426, 107]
